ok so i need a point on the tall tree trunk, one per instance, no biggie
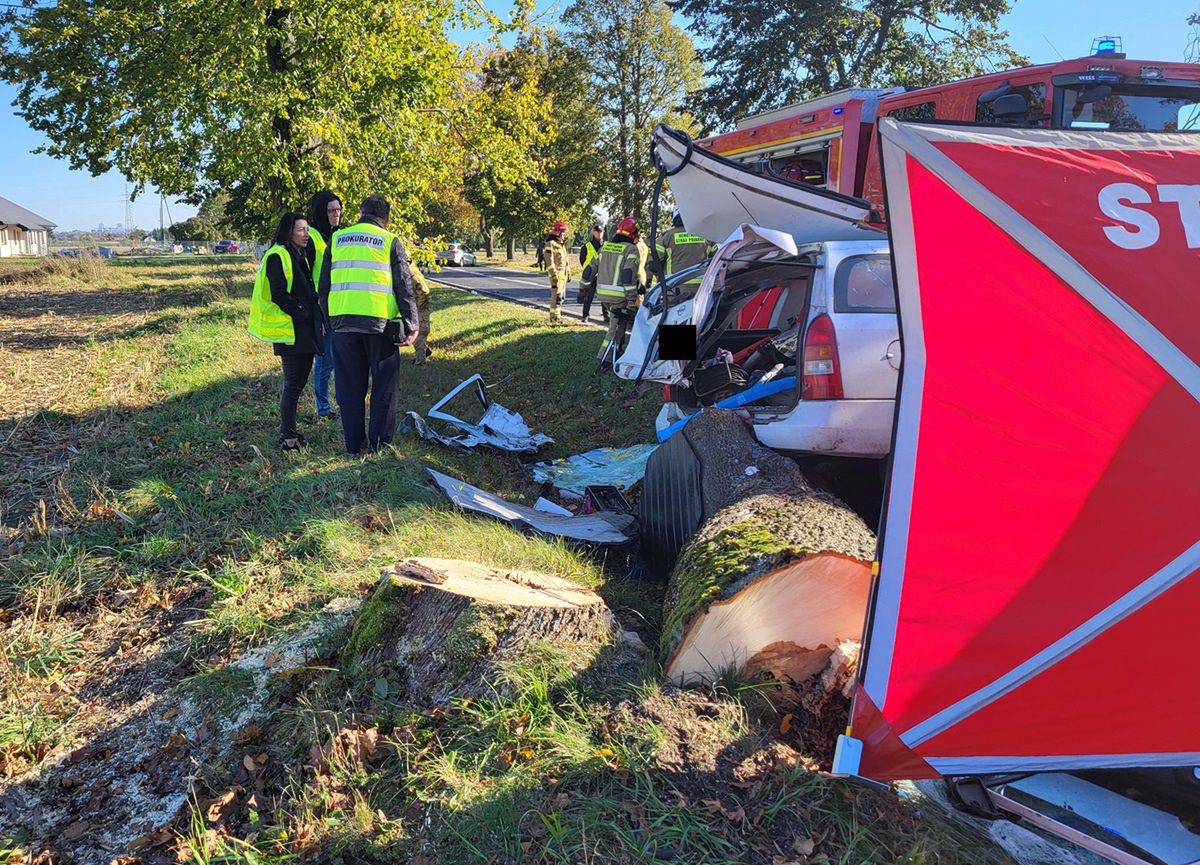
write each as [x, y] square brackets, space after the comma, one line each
[509, 247]
[486, 231]
[281, 125]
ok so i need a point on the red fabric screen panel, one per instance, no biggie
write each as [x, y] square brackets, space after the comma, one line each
[1053, 474]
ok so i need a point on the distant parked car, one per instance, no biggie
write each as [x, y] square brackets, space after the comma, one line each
[67, 252]
[457, 255]
[227, 246]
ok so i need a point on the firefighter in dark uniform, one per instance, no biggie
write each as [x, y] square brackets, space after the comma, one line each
[621, 281]
[678, 250]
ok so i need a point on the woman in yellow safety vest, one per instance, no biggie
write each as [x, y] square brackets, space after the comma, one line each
[284, 312]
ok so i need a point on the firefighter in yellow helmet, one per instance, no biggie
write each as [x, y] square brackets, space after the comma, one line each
[621, 281]
[558, 268]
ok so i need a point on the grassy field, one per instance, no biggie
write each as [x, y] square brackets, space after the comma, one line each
[155, 537]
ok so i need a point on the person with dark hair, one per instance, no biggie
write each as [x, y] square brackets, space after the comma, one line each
[368, 291]
[324, 215]
[588, 255]
[285, 312]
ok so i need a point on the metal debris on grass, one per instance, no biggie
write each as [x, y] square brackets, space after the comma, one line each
[598, 528]
[495, 425]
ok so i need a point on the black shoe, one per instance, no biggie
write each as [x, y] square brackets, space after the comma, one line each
[333, 415]
[296, 443]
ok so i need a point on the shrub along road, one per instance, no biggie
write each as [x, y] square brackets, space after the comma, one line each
[159, 551]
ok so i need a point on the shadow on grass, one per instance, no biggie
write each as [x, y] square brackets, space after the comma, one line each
[601, 764]
[191, 492]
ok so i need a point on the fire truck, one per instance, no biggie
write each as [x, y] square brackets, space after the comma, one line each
[830, 141]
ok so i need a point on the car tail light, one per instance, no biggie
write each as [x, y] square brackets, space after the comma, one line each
[821, 367]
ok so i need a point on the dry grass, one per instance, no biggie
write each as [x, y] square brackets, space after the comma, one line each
[155, 535]
[82, 340]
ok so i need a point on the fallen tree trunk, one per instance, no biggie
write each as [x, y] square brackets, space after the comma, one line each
[444, 628]
[775, 581]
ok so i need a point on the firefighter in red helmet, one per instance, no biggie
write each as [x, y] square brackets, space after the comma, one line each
[621, 282]
[558, 268]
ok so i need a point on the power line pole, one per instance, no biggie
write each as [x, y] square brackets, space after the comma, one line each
[128, 211]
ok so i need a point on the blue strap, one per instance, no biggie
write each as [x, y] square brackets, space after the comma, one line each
[738, 400]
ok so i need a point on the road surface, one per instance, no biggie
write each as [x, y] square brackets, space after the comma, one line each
[520, 286]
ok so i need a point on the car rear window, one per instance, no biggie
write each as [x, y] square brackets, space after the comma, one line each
[864, 284]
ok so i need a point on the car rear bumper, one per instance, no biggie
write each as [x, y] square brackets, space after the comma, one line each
[845, 427]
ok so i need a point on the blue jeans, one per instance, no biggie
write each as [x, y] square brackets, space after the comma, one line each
[322, 372]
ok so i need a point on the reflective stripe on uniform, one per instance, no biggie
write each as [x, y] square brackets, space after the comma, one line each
[367, 264]
[614, 258]
[360, 274]
[680, 250]
[360, 286]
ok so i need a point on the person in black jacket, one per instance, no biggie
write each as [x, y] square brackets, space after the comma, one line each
[307, 321]
[324, 217]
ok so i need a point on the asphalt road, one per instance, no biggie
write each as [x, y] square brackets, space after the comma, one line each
[519, 286]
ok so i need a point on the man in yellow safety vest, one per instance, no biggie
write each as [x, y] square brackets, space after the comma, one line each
[589, 255]
[372, 310]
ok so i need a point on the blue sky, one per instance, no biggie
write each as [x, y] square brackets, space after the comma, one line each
[1152, 29]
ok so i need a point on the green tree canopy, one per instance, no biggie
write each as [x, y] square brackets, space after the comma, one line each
[763, 55]
[643, 68]
[267, 100]
[540, 85]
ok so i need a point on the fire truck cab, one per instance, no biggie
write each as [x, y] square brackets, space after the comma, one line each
[818, 141]
[831, 141]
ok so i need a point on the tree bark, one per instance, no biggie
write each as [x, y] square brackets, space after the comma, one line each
[509, 248]
[485, 232]
[777, 565]
[445, 628]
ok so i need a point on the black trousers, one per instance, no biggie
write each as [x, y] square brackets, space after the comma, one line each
[362, 360]
[296, 368]
[587, 291]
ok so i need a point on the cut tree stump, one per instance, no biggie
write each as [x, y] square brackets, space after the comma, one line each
[446, 628]
[775, 581]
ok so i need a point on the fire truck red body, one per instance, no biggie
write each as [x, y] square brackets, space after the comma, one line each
[830, 141]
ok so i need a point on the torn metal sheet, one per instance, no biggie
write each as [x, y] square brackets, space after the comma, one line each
[548, 507]
[618, 467]
[496, 425]
[602, 528]
[413, 423]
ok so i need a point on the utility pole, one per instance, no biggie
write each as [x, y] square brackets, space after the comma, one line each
[128, 211]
